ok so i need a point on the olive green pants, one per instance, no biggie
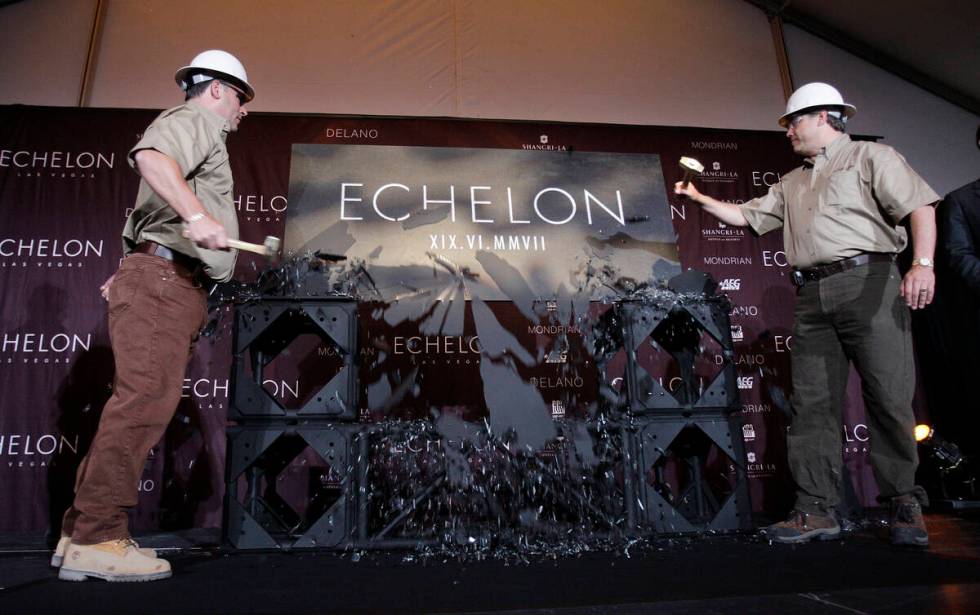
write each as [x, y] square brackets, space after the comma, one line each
[853, 316]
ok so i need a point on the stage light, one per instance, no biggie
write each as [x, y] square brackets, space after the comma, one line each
[944, 453]
[949, 476]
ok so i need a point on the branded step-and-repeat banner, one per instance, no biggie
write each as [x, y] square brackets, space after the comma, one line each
[521, 212]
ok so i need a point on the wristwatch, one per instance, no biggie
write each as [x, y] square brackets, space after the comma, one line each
[924, 262]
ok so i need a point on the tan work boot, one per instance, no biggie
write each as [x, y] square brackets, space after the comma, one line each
[113, 560]
[907, 526]
[59, 551]
[803, 527]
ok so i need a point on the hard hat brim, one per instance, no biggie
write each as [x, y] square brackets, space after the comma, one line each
[182, 76]
[849, 111]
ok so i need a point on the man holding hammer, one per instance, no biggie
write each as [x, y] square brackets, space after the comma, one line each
[843, 214]
[179, 231]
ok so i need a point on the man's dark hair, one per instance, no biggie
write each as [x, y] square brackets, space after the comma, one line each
[197, 89]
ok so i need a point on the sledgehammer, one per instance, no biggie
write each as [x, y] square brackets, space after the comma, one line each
[268, 248]
[691, 167]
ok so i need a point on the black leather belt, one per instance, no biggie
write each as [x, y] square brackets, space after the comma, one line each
[802, 276]
[185, 265]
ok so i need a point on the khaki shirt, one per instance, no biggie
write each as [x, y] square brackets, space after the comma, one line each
[848, 199]
[195, 138]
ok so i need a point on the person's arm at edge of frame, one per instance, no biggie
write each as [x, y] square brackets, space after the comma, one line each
[922, 223]
[163, 175]
[963, 258]
[726, 212]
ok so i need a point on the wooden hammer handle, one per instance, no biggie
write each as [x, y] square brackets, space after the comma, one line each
[248, 247]
[241, 245]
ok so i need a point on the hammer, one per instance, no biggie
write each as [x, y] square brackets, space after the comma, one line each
[691, 167]
[269, 248]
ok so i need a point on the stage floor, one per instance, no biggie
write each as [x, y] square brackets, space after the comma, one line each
[704, 574]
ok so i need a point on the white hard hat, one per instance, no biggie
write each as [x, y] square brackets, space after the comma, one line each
[815, 96]
[215, 64]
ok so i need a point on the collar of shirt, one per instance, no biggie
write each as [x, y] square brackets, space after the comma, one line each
[827, 152]
[213, 119]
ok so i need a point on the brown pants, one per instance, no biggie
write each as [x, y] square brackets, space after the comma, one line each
[155, 313]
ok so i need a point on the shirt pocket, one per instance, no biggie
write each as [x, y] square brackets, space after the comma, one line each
[219, 160]
[217, 173]
[843, 189]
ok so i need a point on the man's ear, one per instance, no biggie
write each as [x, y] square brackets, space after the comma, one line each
[215, 89]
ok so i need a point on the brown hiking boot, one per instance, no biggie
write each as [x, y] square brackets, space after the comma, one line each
[907, 526]
[113, 560]
[803, 527]
[59, 551]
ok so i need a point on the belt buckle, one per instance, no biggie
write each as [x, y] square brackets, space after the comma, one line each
[797, 278]
[164, 252]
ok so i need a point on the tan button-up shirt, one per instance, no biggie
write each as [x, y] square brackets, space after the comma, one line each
[848, 199]
[195, 138]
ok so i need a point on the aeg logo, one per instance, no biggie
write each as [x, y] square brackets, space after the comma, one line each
[737, 334]
[730, 284]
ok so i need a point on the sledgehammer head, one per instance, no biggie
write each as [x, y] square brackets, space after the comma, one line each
[691, 167]
[268, 248]
[272, 245]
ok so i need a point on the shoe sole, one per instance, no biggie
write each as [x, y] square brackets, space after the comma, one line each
[910, 542]
[58, 560]
[83, 575]
[827, 534]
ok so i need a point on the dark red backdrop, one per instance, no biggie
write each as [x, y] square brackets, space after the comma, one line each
[65, 190]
